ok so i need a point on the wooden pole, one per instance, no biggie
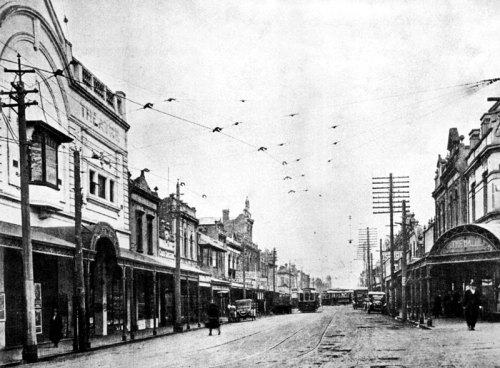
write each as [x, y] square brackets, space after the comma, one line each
[79, 277]
[30, 348]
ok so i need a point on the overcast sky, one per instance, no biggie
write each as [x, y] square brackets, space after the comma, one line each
[391, 74]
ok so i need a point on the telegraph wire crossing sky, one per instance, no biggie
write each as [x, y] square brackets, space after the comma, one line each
[232, 98]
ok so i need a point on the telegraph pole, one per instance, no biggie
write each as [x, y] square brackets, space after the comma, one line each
[30, 348]
[177, 287]
[81, 343]
[386, 200]
[366, 236]
[368, 260]
[244, 265]
[403, 264]
[382, 286]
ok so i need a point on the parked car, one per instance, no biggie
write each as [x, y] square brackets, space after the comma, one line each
[376, 302]
[245, 308]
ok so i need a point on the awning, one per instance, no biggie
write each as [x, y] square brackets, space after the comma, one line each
[206, 240]
[11, 236]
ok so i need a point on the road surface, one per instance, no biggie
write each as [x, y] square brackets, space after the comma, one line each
[335, 336]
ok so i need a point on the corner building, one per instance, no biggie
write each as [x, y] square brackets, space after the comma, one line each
[467, 223]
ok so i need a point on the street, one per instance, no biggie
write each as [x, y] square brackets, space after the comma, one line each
[335, 336]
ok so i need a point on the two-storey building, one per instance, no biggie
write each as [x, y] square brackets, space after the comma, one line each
[467, 245]
[75, 111]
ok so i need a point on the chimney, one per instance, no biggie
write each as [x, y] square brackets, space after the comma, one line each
[474, 138]
[225, 216]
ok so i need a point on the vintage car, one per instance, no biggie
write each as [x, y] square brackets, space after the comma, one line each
[376, 302]
[358, 297]
[245, 308]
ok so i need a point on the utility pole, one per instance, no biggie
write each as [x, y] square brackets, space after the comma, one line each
[244, 266]
[30, 348]
[403, 265]
[177, 287]
[382, 286]
[386, 200]
[81, 342]
[366, 237]
[368, 261]
[290, 278]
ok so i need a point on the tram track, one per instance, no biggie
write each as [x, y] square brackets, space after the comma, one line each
[272, 347]
[319, 341]
[259, 352]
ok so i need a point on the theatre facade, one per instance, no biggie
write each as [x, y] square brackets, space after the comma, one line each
[463, 242]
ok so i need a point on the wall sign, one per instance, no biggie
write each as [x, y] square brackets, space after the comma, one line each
[467, 244]
[105, 126]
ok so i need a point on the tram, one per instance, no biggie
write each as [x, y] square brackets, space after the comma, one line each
[336, 297]
[308, 300]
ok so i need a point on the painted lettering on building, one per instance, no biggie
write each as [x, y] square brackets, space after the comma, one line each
[467, 244]
[104, 126]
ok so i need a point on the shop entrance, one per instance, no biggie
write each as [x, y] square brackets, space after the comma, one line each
[106, 291]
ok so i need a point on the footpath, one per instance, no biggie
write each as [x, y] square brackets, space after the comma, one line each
[46, 350]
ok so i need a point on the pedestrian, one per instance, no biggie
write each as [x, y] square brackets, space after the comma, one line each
[213, 314]
[56, 326]
[471, 305]
[437, 306]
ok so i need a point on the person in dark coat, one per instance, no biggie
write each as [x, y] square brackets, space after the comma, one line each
[471, 304]
[213, 314]
[56, 326]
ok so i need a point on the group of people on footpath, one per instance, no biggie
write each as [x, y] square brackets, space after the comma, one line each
[454, 305]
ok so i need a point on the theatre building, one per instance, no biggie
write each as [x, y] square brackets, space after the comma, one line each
[75, 111]
[467, 221]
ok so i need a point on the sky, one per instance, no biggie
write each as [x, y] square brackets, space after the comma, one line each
[392, 76]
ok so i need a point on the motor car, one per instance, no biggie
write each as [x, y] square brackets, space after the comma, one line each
[245, 308]
[358, 297]
[376, 302]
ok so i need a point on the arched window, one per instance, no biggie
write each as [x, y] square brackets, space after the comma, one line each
[191, 245]
[185, 245]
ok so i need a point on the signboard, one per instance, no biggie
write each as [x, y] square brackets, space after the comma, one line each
[38, 320]
[38, 307]
[38, 295]
[466, 244]
[248, 275]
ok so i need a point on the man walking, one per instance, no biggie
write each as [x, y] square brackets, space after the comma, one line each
[471, 304]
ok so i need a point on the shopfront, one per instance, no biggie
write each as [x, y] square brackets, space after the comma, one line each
[465, 253]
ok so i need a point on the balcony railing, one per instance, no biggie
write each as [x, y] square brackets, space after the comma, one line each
[114, 101]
